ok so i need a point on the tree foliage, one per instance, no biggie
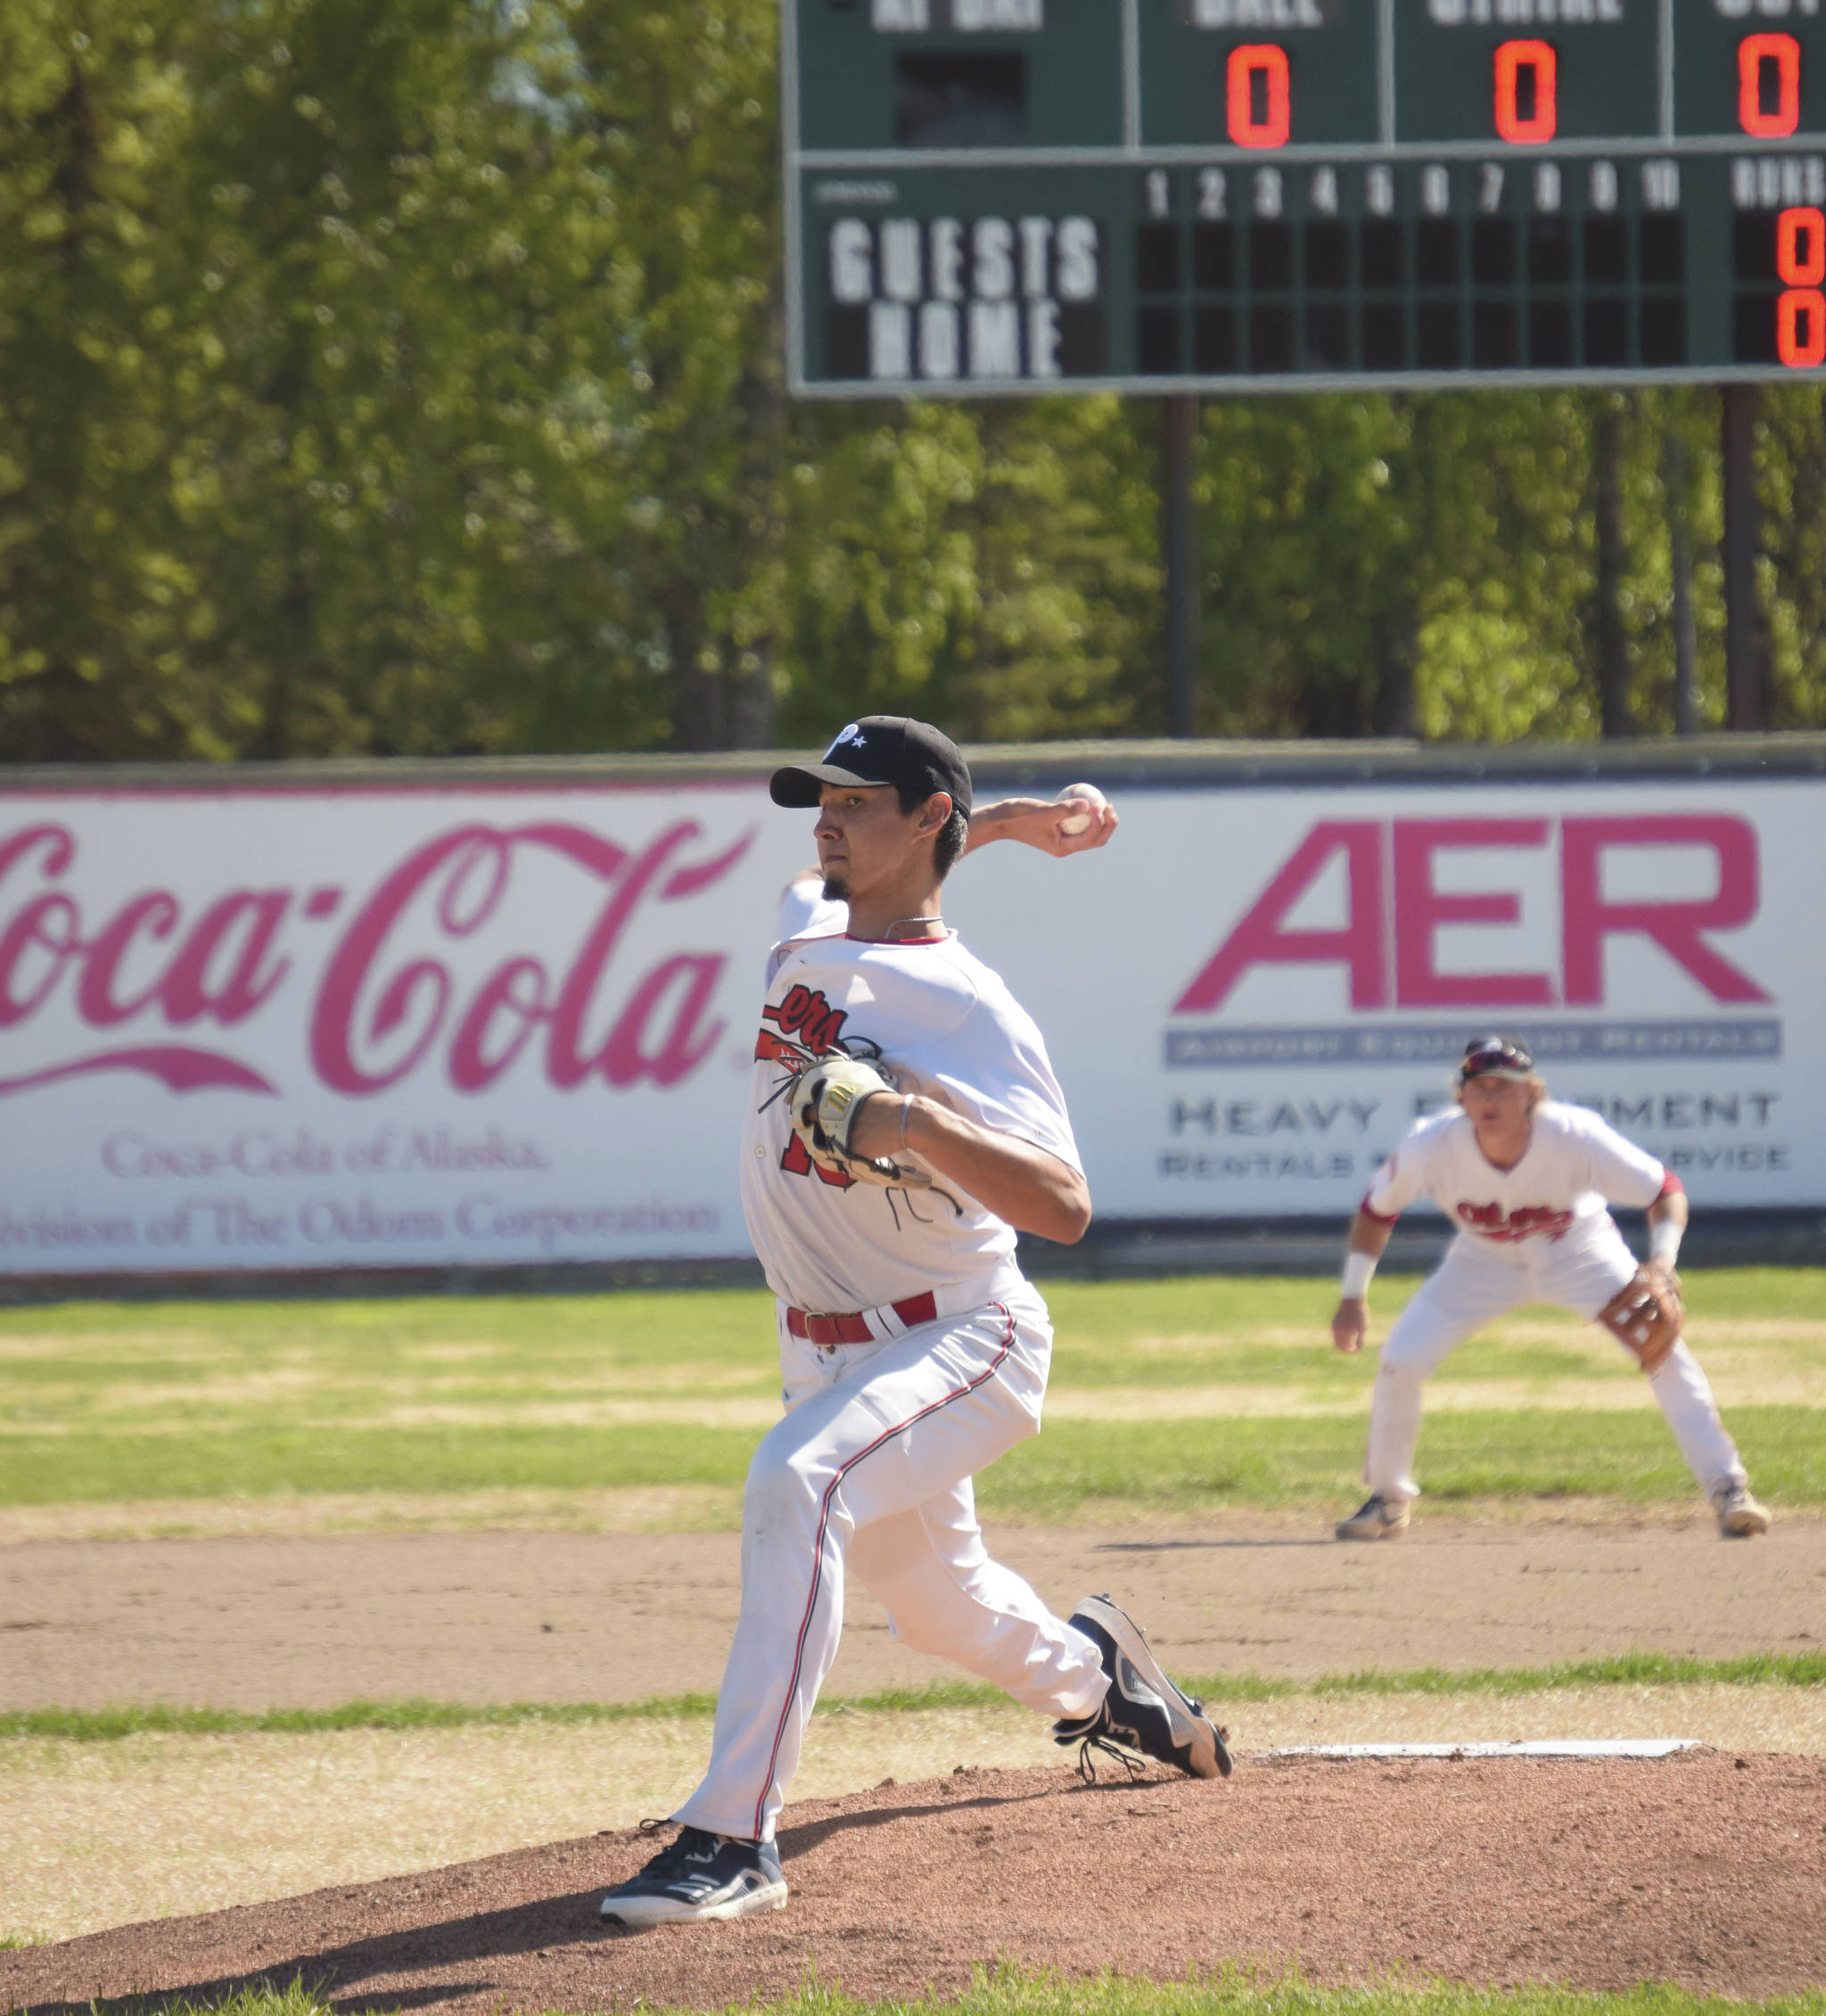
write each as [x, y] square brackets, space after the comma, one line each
[405, 376]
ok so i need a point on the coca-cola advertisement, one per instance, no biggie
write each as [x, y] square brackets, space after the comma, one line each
[293, 1029]
[433, 1027]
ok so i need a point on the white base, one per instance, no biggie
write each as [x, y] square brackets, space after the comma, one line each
[1596, 1747]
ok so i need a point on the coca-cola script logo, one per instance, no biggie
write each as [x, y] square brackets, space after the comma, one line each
[384, 1004]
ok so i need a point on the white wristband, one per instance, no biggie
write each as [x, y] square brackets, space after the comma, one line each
[1663, 1241]
[1358, 1268]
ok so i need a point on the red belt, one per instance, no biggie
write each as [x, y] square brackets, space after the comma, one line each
[825, 1330]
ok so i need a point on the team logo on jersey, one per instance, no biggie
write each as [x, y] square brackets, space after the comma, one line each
[809, 1027]
[806, 1028]
[1532, 1221]
[805, 1014]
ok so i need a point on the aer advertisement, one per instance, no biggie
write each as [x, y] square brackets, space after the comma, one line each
[1259, 990]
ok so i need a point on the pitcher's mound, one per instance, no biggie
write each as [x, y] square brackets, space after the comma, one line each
[1704, 1869]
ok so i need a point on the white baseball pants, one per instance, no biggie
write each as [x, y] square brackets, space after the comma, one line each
[871, 1468]
[1473, 1287]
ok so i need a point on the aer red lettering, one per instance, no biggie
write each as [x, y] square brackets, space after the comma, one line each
[1421, 909]
[1262, 938]
[1680, 925]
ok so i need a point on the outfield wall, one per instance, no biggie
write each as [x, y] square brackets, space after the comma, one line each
[467, 1016]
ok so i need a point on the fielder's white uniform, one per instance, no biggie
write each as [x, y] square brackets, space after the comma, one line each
[805, 911]
[871, 1465]
[1538, 1232]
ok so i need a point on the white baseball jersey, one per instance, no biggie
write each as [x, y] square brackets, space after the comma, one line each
[805, 911]
[1540, 1232]
[948, 1027]
[899, 1425]
[1574, 1166]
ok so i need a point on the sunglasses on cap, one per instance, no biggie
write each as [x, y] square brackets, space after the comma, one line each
[1495, 1057]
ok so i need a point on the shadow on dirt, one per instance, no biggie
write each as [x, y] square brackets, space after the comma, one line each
[337, 1972]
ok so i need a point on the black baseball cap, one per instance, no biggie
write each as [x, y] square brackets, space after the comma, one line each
[1496, 1057]
[881, 749]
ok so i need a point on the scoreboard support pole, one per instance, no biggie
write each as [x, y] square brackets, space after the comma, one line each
[1179, 440]
[1744, 670]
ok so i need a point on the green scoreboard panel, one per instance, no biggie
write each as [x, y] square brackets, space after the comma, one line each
[1277, 196]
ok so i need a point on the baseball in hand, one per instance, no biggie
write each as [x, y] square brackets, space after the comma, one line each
[1080, 822]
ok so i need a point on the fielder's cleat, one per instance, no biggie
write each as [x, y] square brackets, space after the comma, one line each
[1376, 1518]
[700, 1876]
[1738, 1514]
[1143, 1710]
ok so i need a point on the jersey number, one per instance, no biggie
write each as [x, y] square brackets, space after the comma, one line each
[797, 1162]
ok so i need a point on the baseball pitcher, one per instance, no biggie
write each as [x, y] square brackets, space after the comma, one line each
[903, 1125]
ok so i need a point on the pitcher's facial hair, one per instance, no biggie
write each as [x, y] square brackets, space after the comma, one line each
[835, 889]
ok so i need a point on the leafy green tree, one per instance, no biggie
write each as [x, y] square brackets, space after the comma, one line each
[315, 472]
[680, 102]
[418, 266]
[106, 383]
[407, 376]
[1792, 485]
[1291, 646]
[1435, 565]
[1387, 566]
[994, 569]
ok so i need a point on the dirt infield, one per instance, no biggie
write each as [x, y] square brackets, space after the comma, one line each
[1710, 1870]
[314, 1620]
[1707, 1869]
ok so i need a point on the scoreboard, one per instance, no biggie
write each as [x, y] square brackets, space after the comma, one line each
[1174, 196]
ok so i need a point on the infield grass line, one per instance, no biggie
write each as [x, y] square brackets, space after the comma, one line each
[1179, 1396]
[1182, 1466]
[1011, 1990]
[1629, 1669]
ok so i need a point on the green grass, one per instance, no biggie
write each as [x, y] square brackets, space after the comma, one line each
[1010, 1990]
[1186, 1466]
[1203, 1463]
[320, 1458]
[109, 1404]
[1629, 1669]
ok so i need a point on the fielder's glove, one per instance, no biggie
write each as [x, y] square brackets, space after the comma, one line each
[1645, 1315]
[826, 1096]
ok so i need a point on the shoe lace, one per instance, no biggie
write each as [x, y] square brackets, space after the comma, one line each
[1087, 1764]
[673, 1857]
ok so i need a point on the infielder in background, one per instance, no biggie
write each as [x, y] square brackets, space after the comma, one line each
[904, 1123]
[1527, 1183]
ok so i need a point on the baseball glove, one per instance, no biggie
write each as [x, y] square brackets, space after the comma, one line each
[826, 1096]
[1644, 1315]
